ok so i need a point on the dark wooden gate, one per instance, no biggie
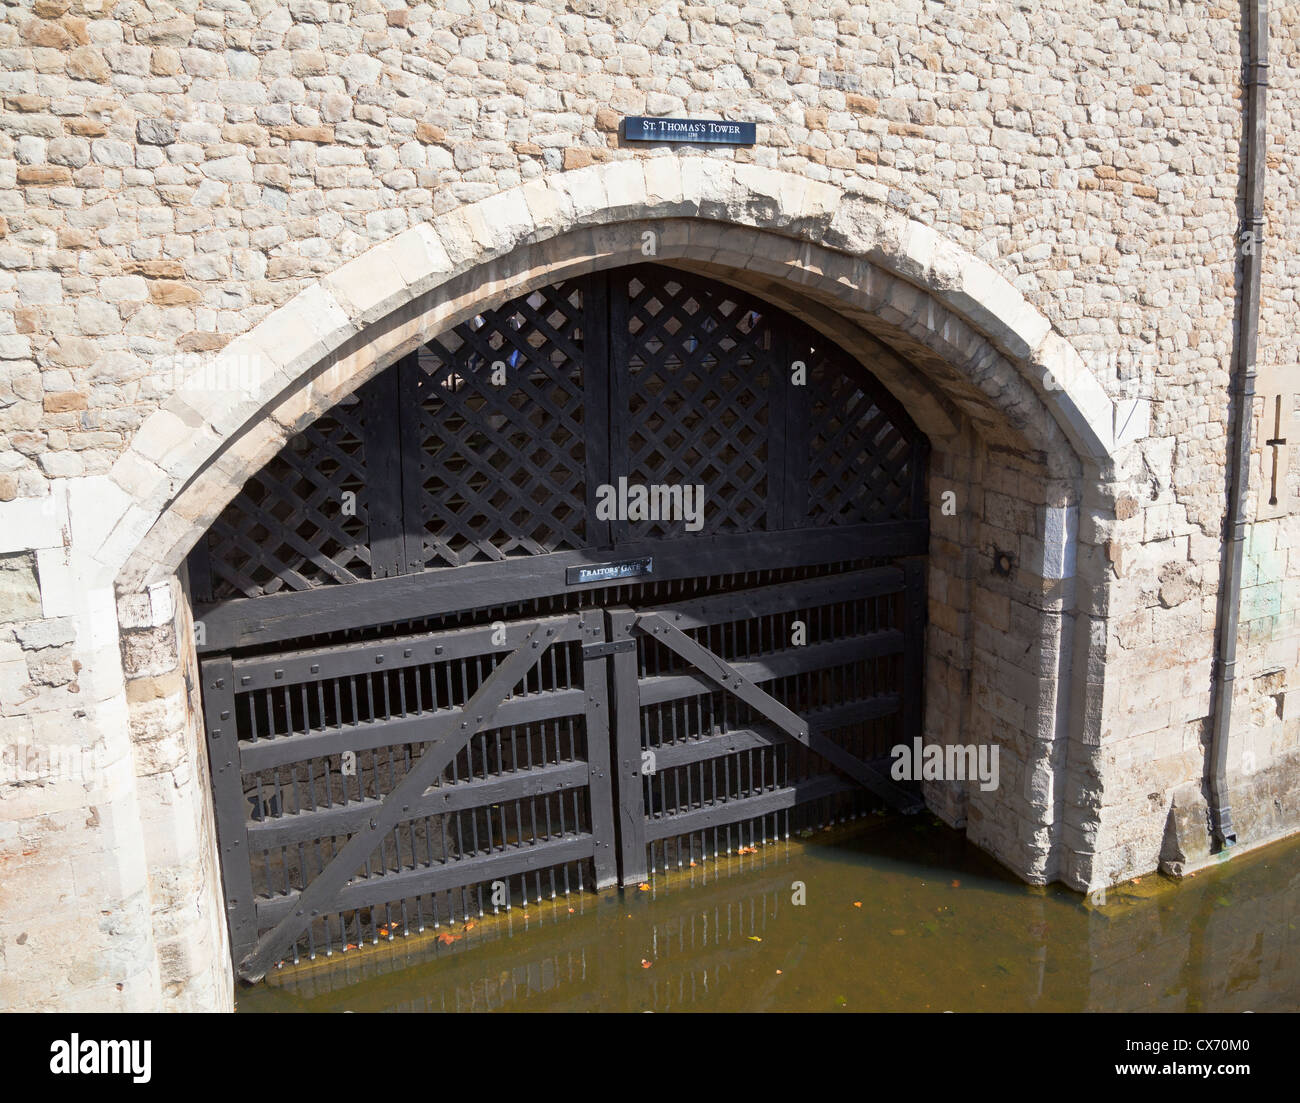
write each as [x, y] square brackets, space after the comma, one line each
[735, 708]
[424, 635]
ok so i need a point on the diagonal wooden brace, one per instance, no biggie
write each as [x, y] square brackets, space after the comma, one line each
[724, 675]
[476, 714]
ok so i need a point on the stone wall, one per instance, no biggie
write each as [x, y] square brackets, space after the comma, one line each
[171, 175]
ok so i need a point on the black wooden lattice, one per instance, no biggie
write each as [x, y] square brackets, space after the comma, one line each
[694, 381]
[493, 435]
[863, 464]
[489, 443]
[291, 526]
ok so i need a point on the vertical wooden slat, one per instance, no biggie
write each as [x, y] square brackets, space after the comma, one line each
[778, 395]
[627, 750]
[410, 377]
[383, 492]
[798, 436]
[600, 788]
[218, 679]
[199, 566]
[600, 441]
[620, 391]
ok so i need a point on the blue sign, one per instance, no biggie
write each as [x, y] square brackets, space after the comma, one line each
[609, 572]
[639, 128]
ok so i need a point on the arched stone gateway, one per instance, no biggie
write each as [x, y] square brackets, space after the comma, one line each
[696, 524]
[1024, 442]
[981, 344]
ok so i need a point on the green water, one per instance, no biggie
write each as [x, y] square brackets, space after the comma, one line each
[898, 915]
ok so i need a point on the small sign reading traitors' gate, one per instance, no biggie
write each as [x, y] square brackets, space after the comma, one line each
[638, 128]
[609, 572]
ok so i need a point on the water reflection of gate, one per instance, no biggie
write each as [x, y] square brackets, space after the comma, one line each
[561, 959]
[695, 953]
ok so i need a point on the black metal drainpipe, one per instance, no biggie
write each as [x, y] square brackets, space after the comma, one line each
[1243, 400]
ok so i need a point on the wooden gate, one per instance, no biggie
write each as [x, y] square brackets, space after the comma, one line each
[423, 630]
[736, 708]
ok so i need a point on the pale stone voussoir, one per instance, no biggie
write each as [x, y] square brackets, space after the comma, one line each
[420, 259]
[97, 505]
[126, 535]
[818, 201]
[584, 193]
[1078, 403]
[859, 228]
[369, 286]
[508, 216]
[916, 252]
[625, 191]
[171, 529]
[550, 208]
[456, 236]
[989, 300]
[663, 188]
[144, 479]
[712, 185]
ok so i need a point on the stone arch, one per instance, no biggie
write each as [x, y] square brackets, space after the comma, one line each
[985, 352]
[980, 370]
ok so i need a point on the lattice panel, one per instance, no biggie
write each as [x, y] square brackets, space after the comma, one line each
[696, 398]
[493, 432]
[861, 464]
[301, 521]
[491, 441]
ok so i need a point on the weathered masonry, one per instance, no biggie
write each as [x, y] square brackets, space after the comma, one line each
[278, 547]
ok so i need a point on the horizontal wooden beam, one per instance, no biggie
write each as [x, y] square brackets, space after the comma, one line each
[374, 657]
[763, 601]
[370, 891]
[687, 751]
[796, 660]
[248, 622]
[723, 812]
[343, 819]
[401, 731]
